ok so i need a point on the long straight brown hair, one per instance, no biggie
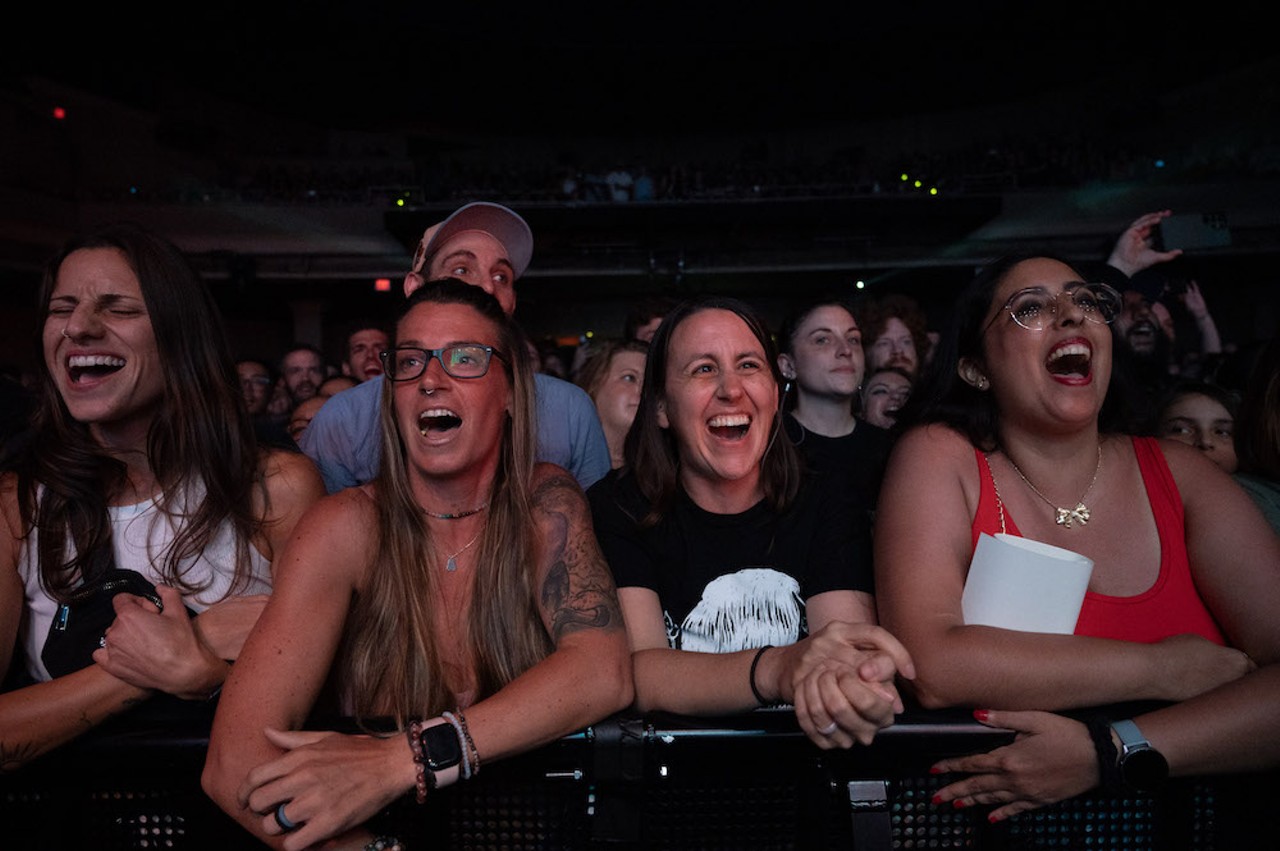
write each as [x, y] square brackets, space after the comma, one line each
[390, 665]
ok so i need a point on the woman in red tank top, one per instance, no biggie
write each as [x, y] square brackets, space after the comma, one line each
[1012, 423]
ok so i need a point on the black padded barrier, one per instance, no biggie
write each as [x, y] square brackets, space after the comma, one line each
[657, 782]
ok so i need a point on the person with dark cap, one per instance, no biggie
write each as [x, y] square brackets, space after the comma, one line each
[489, 246]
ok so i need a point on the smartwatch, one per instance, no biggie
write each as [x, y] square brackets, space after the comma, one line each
[1142, 767]
[442, 754]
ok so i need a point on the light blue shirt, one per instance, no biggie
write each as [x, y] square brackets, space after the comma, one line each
[343, 440]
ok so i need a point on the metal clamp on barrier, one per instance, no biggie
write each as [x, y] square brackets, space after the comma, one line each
[869, 810]
[618, 762]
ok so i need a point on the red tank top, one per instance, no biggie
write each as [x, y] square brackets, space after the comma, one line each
[1171, 606]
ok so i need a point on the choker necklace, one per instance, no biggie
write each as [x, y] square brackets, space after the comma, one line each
[452, 563]
[1065, 516]
[455, 516]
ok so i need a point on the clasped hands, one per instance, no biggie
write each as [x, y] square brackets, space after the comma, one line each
[841, 682]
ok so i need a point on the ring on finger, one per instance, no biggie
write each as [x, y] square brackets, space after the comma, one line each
[283, 820]
[829, 729]
[102, 641]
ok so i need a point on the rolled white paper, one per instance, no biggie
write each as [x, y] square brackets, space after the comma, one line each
[1018, 583]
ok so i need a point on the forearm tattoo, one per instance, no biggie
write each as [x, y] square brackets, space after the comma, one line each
[578, 592]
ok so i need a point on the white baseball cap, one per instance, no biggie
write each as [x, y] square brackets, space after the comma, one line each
[497, 221]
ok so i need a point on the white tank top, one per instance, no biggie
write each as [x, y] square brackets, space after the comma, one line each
[141, 536]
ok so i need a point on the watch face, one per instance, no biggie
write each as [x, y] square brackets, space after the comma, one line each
[1144, 770]
[441, 745]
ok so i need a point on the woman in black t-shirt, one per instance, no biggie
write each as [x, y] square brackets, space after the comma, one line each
[743, 581]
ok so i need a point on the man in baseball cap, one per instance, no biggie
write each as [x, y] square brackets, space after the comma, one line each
[489, 246]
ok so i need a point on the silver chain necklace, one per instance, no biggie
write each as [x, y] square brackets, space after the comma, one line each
[452, 563]
[1065, 517]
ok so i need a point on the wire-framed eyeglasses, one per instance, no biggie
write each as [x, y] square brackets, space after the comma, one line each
[1035, 308]
[465, 360]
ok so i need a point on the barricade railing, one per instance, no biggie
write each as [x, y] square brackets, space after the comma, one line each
[657, 782]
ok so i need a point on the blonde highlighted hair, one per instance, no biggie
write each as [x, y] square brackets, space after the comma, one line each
[390, 666]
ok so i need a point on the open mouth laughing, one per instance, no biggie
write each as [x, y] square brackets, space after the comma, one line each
[438, 421]
[1070, 359]
[730, 426]
[81, 367]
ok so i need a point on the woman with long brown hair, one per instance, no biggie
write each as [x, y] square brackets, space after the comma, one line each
[143, 474]
[460, 599]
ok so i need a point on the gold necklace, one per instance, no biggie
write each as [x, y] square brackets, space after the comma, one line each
[452, 563]
[1065, 517]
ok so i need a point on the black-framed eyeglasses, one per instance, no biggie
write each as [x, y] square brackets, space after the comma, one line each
[466, 360]
[1036, 308]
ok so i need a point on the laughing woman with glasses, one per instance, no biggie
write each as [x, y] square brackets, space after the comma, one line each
[1010, 433]
[460, 601]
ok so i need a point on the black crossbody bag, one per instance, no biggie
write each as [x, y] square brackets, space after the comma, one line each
[79, 623]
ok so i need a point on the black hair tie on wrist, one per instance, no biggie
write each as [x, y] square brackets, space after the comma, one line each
[754, 663]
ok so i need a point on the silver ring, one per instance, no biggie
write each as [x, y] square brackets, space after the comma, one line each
[102, 641]
[829, 729]
[283, 820]
[65, 334]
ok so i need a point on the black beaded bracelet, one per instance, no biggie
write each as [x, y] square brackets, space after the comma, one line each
[752, 677]
[1108, 757]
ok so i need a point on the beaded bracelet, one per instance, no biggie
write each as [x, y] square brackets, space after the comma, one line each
[752, 676]
[462, 743]
[470, 742]
[419, 762]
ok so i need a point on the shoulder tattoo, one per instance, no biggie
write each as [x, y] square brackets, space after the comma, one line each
[578, 592]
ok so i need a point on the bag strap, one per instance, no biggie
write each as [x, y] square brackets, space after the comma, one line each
[100, 563]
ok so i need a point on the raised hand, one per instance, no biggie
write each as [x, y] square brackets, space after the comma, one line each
[1134, 250]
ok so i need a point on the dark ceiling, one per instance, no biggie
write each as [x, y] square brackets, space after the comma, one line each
[626, 68]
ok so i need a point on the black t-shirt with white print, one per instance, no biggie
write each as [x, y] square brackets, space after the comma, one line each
[730, 582]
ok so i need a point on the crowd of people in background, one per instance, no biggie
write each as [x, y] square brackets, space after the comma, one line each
[703, 515]
[1004, 162]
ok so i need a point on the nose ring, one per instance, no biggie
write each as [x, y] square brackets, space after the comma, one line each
[65, 334]
[429, 391]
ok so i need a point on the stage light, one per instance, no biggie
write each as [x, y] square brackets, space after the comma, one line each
[59, 113]
[382, 285]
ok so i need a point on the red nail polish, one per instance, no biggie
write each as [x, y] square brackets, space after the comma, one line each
[937, 799]
[982, 714]
[993, 818]
[959, 804]
[933, 769]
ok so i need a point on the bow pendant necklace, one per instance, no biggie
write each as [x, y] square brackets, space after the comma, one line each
[1065, 517]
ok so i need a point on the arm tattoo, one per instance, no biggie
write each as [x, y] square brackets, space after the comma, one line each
[578, 591]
